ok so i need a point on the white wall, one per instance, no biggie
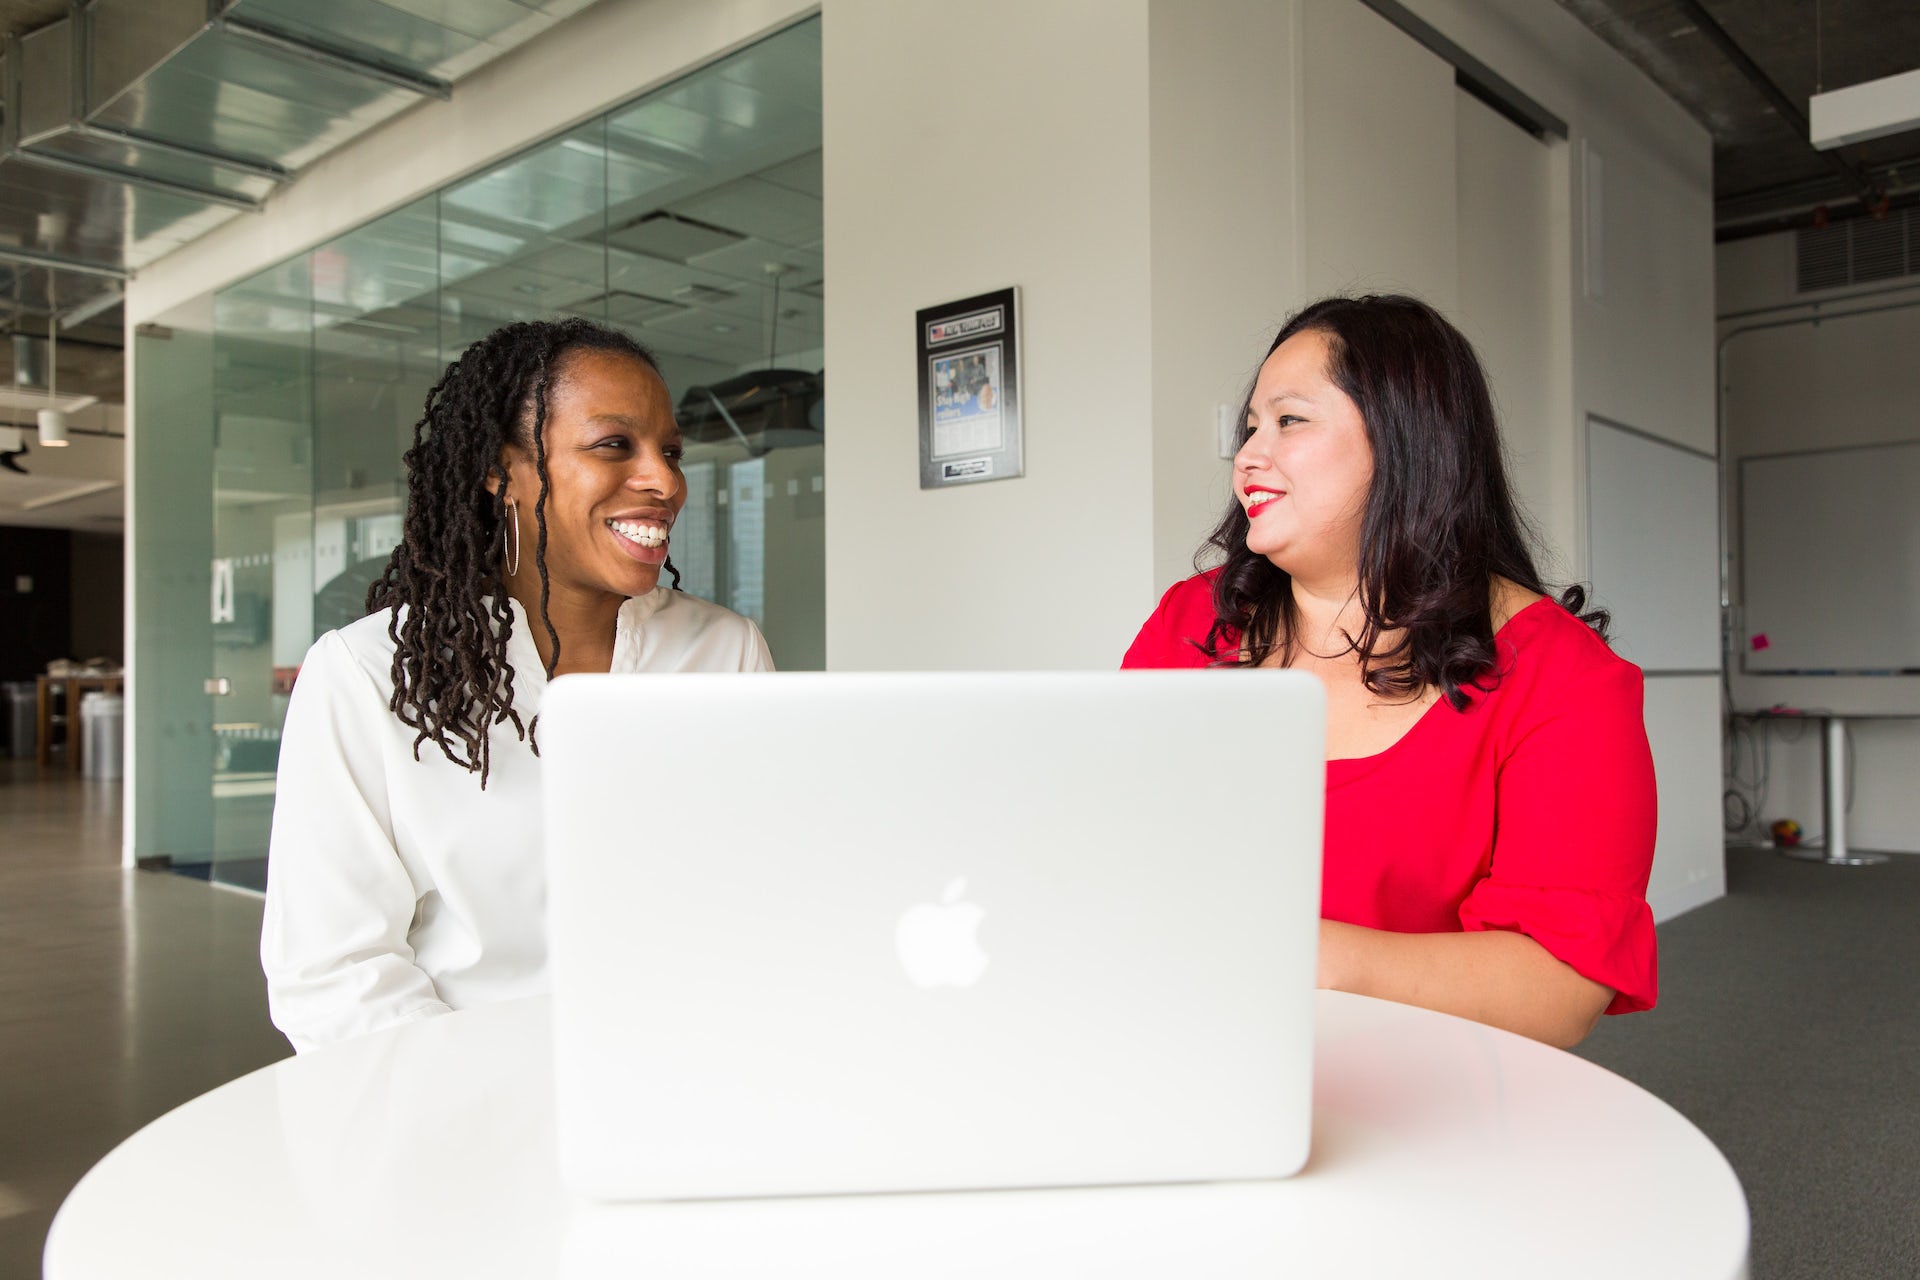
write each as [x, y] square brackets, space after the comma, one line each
[1643, 349]
[1513, 306]
[1380, 166]
[1792, 385]
[1224, 130]
[1016, 159]
[1683, 725]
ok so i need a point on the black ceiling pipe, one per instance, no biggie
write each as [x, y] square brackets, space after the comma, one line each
[1789, 111]
[1823, 216]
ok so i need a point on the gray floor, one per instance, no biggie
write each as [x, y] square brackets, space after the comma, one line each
[1788, 1029]
[122, 995]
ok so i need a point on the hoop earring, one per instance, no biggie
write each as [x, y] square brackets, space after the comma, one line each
[513, 538]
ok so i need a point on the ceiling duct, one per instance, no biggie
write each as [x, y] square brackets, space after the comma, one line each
[139, 125]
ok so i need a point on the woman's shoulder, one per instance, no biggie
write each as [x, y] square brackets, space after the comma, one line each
[671, 629]
[1177, 627]
[1545, 644]
[1191, 597]
[1199, 584]
[350, 660]
[682, 610]
[367, 641]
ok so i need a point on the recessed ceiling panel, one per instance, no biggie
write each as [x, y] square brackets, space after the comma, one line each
[633, 310]
[672, 236]
[760, 209]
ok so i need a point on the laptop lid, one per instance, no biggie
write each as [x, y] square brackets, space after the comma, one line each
[818, 933]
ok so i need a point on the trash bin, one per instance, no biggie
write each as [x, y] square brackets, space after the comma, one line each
[23, 718]
[102, 722]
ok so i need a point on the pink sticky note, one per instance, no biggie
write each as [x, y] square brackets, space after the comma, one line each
[1760, 641]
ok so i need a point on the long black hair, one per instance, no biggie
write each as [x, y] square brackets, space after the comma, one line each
[446, 581]
[1440, 522]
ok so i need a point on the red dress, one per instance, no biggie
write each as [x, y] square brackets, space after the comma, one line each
[1532, 810]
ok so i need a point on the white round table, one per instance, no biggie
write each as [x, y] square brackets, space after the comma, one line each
[1440, 1148]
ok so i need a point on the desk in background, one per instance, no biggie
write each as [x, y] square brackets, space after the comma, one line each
[76, 687]
[1833, 848]
[1441, 1148]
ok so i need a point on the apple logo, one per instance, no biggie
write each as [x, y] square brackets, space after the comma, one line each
[936, 943]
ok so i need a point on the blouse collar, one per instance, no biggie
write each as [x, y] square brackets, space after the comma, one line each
[530, 674]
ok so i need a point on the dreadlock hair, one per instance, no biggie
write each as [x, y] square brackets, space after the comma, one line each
[1440, 522]
[446, 581]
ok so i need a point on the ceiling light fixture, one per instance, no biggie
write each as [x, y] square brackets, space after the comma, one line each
[1862, 112]
[53, 428]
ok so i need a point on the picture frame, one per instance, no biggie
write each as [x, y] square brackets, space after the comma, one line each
[971, 427]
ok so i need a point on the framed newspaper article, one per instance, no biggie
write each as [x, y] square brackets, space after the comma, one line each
[970, 390]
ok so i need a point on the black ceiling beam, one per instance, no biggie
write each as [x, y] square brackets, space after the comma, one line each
[1801, 219]
[1473, 75]
[1889, 179]
[1789, 111]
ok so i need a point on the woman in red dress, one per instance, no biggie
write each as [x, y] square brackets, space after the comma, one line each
[1490, 791]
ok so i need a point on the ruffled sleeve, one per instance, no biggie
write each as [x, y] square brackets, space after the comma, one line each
[1573, 844]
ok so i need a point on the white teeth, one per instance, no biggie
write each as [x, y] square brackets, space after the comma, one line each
[646, 535]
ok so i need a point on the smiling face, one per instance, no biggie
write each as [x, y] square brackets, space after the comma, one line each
[1304, 468]
[614, 483]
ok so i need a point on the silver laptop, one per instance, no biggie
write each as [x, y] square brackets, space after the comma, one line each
[839, 933]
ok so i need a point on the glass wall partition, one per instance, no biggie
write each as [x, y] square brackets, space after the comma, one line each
[171, 544]
[376, 351]
[714, 260]
[261, 597]
[525, 240]
[690, 218]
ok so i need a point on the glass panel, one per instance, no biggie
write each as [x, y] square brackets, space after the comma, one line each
[171, 545]
[714, 261]
[691, 218]
[526, 240]
[376, 351]
[262, 567]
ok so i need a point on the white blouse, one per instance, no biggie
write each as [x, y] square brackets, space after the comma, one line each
[397, 889]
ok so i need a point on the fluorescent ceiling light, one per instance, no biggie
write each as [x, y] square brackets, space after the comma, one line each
[1863, 112]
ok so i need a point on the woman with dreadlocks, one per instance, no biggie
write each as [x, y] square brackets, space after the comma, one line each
[406, 869]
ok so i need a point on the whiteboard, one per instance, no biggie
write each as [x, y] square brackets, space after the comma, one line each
[1653, 539]
[1830, 561]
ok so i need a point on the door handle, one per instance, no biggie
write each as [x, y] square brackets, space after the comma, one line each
[218, 686]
